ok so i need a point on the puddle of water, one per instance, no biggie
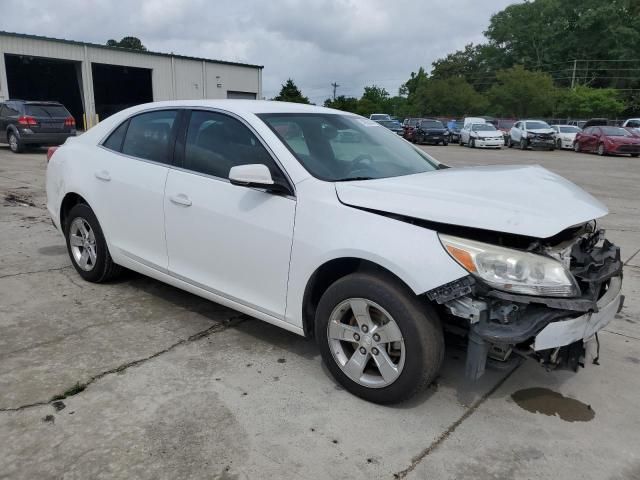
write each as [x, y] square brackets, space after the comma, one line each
[548, 402]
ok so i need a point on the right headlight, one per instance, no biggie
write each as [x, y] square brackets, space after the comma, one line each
[512, 270]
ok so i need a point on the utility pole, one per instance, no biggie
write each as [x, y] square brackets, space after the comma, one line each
[573, 77]
[334, 85]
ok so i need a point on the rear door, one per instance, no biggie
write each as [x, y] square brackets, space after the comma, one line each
[130, 172]
[231, 240]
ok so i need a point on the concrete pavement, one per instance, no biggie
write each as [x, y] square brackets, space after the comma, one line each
[153, 382]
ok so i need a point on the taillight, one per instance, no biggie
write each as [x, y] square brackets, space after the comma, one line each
[27, 120]
[50, 153]
[69, 122]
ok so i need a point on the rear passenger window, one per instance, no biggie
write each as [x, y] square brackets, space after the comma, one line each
[217, 142]
[114, 142]
[148, 135]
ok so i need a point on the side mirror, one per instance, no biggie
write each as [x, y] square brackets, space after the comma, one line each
[257, 175]
[254, 175]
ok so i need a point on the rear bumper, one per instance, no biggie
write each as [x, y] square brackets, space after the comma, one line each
[30, 137]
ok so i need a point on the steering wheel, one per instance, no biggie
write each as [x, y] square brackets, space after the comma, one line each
[362, 160]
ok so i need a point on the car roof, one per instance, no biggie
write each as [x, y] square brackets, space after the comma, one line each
[242, 106]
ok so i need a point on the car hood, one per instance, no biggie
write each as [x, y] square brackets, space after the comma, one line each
[623, 140]
[487, 134]
[524, 200]
[541, 130]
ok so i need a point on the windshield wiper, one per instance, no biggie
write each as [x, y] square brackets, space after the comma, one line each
[349, 179]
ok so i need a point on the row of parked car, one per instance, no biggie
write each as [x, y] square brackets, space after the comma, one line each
[594, 136]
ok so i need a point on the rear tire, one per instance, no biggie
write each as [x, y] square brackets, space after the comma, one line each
[415, 323]
[635, 155]
[15, 145]
[510, 142]
[87, 246]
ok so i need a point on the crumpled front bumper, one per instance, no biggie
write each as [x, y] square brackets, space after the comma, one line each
[564, 332]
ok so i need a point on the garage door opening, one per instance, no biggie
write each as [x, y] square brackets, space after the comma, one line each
[241, 95]
[116, 88]
[35, 78]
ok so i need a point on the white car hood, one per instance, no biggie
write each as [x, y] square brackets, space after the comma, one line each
[524, 200]
[541, 130]
[485, 134]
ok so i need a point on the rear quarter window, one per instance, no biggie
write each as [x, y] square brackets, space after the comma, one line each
[114, 141]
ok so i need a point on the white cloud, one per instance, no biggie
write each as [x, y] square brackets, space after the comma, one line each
[355, 43]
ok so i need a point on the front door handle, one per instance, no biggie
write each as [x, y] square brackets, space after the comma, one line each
[181, 199]
[103, 175]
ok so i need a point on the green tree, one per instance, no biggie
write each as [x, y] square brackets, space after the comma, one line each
[290, 93]
[588, 102]
[132, 43]
[348, 104]
[448, 96]
[522, 93]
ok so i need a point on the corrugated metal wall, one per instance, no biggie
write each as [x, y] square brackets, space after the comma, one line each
[173, 78]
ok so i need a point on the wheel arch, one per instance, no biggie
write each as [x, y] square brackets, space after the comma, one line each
[70, 200]
[327, 274]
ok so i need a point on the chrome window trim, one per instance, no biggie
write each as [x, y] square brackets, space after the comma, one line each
[207, 109]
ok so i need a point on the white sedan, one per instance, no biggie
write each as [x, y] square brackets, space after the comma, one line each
[481, 135]
[329, 225]
[565, 135]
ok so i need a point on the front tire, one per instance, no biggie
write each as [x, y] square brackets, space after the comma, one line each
[601, 150]
[576, 147]
[559, 144]
[523, 144]
[377, 339]
[87, 247]
[472, 143]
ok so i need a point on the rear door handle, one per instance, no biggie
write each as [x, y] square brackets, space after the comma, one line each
[103, 175]
[181, 199]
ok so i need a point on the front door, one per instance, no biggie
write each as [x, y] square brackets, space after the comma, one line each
[232, 240]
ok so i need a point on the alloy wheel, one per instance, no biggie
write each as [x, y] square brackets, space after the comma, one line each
[83, 244]
[13, 142]
[366, 343]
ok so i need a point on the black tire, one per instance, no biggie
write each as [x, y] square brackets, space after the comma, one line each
[460, 141]
[523, 144]
[576, 147]
[635, 155]
[472, 143]
[104, 269]
[510, 142]
[559, 144]
[418, 322]
[601, 150]
[15, 145]
[444, 144]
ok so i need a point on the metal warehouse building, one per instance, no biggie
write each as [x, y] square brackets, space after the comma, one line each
[94, 81]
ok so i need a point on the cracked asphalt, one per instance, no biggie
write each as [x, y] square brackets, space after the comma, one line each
[136, 379]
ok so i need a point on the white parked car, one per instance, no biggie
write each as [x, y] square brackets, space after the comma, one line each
[565, 135]
[632, 123]
[481, 135]
[532, 133]
[379, 116]
[327, 224]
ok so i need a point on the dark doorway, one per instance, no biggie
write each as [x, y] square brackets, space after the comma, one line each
[36, 78]
[116, 88]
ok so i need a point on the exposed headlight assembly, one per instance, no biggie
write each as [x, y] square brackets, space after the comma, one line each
[512, 270]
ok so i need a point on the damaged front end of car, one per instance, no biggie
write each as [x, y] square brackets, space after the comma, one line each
[545, 298]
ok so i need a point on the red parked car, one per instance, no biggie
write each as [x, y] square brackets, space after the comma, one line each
[409, 126]
[607, 141]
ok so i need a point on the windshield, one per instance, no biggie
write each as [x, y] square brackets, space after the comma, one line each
[347, 147]
[46, 110]
[380, 116]
[616, 132]
[537, 125]
[390, 123]
[569, 129]
[431, 124]
[483, 127]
